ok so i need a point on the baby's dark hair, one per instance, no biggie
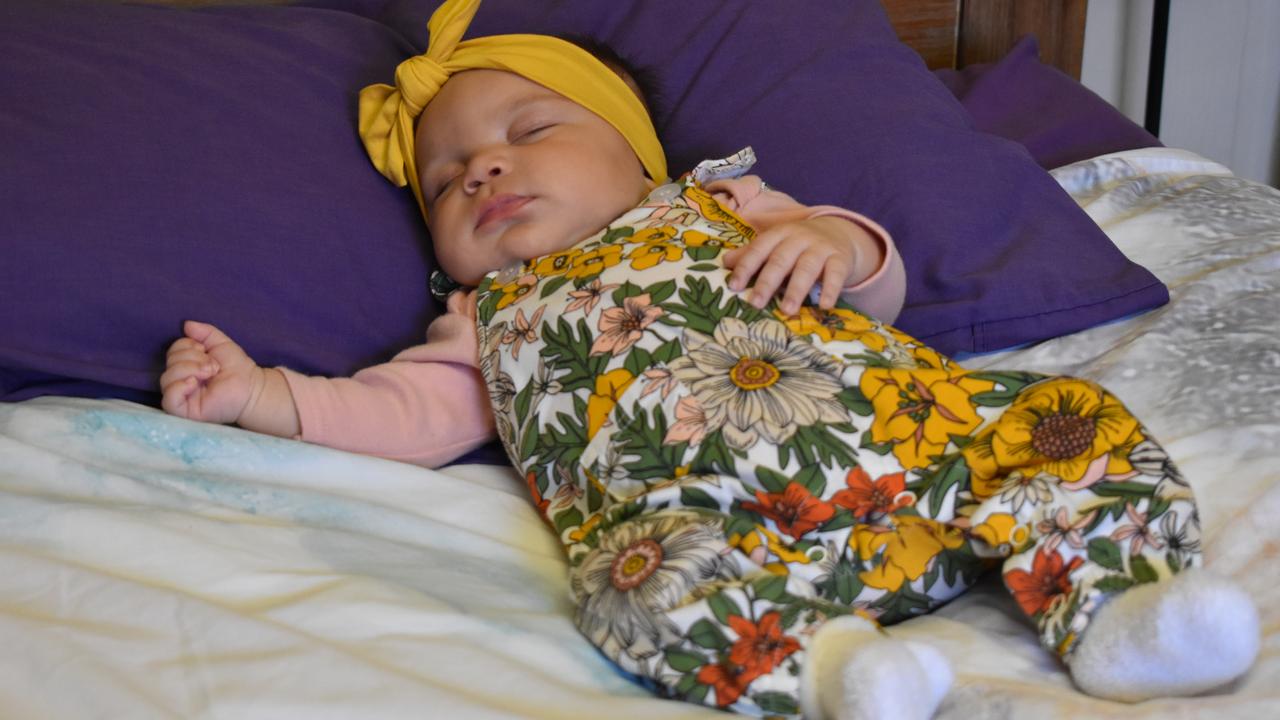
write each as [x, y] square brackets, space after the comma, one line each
[639, 79]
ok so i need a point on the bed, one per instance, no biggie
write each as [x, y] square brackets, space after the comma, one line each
[155, 567]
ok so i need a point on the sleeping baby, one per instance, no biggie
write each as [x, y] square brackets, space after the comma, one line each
[751, 471]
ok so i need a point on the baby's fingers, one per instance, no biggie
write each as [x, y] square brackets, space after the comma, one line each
[834, 275]
[803, 277]
[746, 261]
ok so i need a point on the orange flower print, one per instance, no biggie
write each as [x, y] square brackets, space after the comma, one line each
[621, 327]
[882, 495]
[538, 501]
[728, 682]
[1036, 591]
[760, 646]
[795, 510]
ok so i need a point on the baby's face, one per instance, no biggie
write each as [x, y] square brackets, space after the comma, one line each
[511, 170]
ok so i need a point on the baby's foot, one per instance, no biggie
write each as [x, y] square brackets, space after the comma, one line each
[854, 672]
[1191, 633]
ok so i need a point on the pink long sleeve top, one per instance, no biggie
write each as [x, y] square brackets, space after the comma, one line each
[429, 405]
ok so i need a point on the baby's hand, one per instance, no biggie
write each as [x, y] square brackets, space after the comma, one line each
[207, 376]
[817, 249]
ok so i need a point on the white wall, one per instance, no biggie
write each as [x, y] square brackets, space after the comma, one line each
[1222, 76]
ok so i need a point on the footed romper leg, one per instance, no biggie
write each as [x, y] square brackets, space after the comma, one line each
[1096, 522]
[669, 598]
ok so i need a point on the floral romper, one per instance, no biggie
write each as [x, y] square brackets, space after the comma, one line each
[725, 478]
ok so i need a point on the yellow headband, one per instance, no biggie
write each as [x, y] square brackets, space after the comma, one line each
[388, 113]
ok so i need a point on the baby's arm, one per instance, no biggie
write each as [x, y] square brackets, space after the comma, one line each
[427, 406]
[210, 378]
[850, 255]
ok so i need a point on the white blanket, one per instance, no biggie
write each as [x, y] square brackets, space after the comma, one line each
[154, 567]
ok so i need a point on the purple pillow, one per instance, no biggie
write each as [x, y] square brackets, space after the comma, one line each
[840, 112]
[164, 164]
[1056, 118]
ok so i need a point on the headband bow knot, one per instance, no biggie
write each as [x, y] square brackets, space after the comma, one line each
[388, 113]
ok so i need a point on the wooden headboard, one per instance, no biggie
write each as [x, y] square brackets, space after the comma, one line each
[955, 33]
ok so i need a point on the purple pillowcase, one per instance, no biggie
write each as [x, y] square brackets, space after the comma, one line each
[1056, 118]
[167, 164]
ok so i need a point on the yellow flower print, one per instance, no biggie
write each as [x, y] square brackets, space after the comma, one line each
[555, 263]
[581, 532]
[660, 234]
[919, 410]
[1060, 426]
[696, 239]
[905, 550]
[593, 262]
[609, 387]
[1001, 529]
[760, 543]
[651, 253]
[835, 324]
[985, 478]
[517, 290]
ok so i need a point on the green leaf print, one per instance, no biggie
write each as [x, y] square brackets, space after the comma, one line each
[817, 444]
[704, 253]
[638, 360]
[704, 267]
[565, 351]
[1133, 491]
[1115, 583]
[964, 563]
[878, 448]
[668, 351]
[616, 234]
[627, 289]
[683, 660]
[661, 290]
[522, 403]
[569, 518]
[842, 519]
[1141, 570]
[814, 480]
[776, 702]
[853, 399]
[642, 438]
[707, 634]
[552, 285]
[772, 588]
[714, 456]
[938, 482]
[843, 585]
[723, 606]
[771, 480]
[562, 445]
[1010, 384]
[699, 306]
[900, 605]
[697, 497]
[1104, 551]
